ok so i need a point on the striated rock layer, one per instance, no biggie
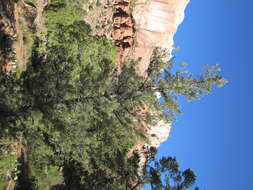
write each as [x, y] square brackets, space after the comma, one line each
[156, 22]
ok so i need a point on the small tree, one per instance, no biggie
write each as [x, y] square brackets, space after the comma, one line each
[164, 174]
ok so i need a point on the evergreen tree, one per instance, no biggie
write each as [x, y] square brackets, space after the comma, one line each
[164, 174]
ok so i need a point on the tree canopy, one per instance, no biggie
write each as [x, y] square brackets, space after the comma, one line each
[70, 110]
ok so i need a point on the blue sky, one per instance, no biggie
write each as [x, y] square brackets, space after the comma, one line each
[214, 135]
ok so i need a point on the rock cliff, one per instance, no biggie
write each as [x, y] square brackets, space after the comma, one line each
[156, 22]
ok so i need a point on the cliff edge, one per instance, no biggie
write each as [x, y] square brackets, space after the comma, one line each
[156, 22]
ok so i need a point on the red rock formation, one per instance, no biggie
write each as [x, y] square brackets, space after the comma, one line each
[123, 29]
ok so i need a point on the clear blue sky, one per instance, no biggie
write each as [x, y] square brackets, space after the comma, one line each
[214, 136]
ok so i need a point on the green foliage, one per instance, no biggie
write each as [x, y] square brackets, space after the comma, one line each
[76, 177]
[75, 113]
[3, 183]
[63, 12]
[78, 115]
[182, 83]
[65, 117]
[164, 174]
[8, 162]
[51, 178]
[32, 2]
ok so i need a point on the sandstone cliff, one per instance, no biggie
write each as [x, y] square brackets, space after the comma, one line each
[156, 22]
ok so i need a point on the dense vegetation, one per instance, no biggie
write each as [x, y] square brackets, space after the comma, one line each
[70, 119]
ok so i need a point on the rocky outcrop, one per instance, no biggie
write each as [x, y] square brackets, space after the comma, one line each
[7, 34]
[159, 133]
[123, 29]
[113, 19]
[99, 17]
[15, 17]
[156, 22]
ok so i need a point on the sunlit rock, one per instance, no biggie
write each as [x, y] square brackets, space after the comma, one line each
[159, 133]
[156, 22]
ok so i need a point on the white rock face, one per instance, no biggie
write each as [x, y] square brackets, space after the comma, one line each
[159, 133]
[156, 22]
